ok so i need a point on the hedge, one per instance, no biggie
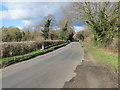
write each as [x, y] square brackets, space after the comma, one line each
[10, 49]
[11, 60]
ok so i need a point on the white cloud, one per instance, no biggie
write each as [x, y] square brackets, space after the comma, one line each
[31, 13]
[18, 27]
[79, 28]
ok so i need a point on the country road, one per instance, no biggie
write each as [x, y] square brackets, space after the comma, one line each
[50, 70]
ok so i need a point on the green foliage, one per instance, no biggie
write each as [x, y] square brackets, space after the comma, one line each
[11, 34]
[63, 32]
[98, 54]
[105, 28]
[80, 35]
[70, 36]
[46, 32]
[101, 17]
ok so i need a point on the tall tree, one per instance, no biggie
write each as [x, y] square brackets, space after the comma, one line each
[101, 17]
[67, 29]
[64, 31]
[48, 22]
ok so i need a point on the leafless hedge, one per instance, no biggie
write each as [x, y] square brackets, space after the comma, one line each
[9, 49]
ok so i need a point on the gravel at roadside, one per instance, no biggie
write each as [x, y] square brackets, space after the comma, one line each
[93, 74]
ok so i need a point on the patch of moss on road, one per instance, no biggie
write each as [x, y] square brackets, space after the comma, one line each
[99, 54]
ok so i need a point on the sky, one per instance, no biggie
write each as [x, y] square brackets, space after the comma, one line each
[22, 14]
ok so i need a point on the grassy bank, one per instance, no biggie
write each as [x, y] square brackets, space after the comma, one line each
[11, 60]
[100, 55]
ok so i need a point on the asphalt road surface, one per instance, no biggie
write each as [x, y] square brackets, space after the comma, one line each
[50, 70]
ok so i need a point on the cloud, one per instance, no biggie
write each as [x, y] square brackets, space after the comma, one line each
[31, 13]
[19, 27]
[79, 28]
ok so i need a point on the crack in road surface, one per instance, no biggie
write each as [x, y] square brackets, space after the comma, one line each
[51, 70]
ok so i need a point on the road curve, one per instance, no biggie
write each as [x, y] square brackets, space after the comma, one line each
[50, 70]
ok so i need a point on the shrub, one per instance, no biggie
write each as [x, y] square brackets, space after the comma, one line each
[10, 49]
[15, 59]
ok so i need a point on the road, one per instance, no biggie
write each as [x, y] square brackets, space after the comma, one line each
[50, 70]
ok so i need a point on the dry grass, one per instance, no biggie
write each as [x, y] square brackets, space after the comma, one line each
[100, 55]
[111, 48]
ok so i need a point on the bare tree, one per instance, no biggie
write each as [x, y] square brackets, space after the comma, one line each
[101, 17]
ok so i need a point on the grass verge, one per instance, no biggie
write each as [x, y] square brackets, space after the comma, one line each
[100, 55]
[11, 60]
